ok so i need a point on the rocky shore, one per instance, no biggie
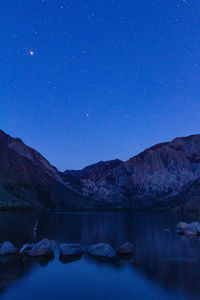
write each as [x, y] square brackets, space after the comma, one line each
[72, 251]
[67, 251]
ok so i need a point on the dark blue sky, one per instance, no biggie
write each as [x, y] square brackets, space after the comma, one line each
[83, 81]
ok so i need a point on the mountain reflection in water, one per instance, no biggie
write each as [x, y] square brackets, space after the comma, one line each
[165, 265]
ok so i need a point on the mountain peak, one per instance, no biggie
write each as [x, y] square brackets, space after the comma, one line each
[94, 171]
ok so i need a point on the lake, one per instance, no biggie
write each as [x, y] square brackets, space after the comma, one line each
[165, 265]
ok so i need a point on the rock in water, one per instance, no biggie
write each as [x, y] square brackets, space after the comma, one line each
[182, 225]
[191, 229]
[102, 250]
[125, 249]
[26, 248]
[194, 224]
[44, 247]
[70, 249]
[7, 248]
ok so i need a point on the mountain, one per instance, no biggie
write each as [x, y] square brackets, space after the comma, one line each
[28, 180]
[76, 179]
[165, 176]
[95, 171]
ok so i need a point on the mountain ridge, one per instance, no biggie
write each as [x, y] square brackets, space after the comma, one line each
[152, 177]
[164, 176]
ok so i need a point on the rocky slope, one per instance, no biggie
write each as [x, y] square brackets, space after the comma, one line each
[163, 176]
[27, 179]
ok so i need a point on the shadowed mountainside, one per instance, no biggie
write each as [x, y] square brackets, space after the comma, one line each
[27, 180]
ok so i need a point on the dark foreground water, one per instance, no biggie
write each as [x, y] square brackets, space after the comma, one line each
[165, 265]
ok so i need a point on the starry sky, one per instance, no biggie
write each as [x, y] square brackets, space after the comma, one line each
[83, 81]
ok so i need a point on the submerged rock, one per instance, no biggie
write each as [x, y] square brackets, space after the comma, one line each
[102, 250]
[7, 248]
[125, 250]
[44, 247]
[44, 260]
[189, 231]
[70, 249]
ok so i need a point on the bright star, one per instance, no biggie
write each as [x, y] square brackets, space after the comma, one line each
[31, 53]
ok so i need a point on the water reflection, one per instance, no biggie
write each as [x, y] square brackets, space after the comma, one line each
[13, 268]
[165, 259]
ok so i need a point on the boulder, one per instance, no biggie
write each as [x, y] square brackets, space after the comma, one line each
[182, 225]
[7, 248]
[194, 224]
[70, 249]
[102, 250]
[44, 260]
[44, 247]
[191, 229]
[126, 249]
[26, 248]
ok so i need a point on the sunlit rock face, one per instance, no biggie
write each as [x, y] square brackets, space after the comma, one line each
[155, 178]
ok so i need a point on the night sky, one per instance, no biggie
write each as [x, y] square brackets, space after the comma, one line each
[83, 81]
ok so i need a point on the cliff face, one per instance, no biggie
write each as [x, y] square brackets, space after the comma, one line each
[152, 179]
[27, 179]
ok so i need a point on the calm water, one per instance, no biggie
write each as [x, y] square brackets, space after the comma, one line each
[165, 265]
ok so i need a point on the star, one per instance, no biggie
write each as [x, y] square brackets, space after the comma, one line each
[31, 53]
